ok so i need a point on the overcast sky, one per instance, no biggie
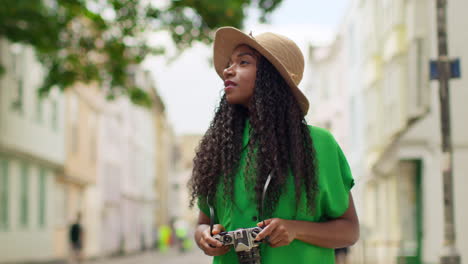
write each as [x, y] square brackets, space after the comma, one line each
[191, 89]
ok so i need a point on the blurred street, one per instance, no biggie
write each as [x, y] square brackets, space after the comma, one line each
[172, 256]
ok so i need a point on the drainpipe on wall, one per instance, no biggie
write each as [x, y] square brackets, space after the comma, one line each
[450, 254]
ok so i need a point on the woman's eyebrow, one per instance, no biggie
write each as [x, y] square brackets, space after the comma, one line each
[245, 53]
[242, 54]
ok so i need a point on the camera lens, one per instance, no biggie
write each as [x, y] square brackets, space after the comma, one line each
[227, 239]
[255, 232]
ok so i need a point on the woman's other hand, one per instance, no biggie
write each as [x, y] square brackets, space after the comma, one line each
[208, 244]
[280, 232]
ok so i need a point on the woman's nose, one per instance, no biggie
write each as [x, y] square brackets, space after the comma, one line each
[229, 71]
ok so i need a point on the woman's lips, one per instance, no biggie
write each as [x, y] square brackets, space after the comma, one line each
[229, 85]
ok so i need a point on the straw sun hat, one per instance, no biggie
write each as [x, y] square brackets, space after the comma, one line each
[282, 52]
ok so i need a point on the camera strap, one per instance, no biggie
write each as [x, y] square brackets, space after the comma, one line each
[211, 215]
[263, 197]
[265, 187]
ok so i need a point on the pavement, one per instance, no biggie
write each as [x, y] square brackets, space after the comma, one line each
[172, 256]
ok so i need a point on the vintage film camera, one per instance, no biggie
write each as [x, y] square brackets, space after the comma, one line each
[243, 241]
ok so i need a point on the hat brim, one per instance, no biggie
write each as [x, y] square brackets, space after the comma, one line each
[228, 38]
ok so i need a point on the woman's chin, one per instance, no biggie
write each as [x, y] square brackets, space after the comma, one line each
[231, 99]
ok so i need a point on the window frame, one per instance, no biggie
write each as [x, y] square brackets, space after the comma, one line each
[4, 195]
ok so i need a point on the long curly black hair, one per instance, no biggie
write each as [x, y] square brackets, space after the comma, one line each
[279, 142]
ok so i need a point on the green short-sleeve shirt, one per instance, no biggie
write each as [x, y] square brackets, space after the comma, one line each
[335, 182]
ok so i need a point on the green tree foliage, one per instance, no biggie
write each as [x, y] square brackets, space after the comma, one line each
[98, 41]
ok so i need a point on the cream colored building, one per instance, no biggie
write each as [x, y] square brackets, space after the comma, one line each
[166, 158]
[394, 141]
[111, 165]
[407, 173]
[76, 187]
[187, 145]
[31, 158]
[328, 92]
[394, 114]
[336, 95]
[76, 153]
[138, 199]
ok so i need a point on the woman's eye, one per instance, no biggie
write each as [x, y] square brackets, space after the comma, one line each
[244, 62]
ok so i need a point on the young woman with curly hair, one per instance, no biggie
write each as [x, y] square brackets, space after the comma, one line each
[259, 130]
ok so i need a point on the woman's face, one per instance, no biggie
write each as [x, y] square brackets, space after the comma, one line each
[240, 74]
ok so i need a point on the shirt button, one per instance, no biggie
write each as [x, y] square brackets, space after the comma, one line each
[254, 218]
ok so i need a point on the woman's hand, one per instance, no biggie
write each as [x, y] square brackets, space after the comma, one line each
[208, 244]
[340, 232]
[281, 232]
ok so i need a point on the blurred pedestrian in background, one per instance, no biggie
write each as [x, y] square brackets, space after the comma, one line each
[341, 255]
[259, 131]
[181, 234]
[164, 238]
[76, 238]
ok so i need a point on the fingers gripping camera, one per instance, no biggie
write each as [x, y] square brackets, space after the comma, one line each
[242, 239]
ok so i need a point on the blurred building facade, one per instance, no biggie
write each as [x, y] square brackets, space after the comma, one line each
[76, 153]
[139, 198]
[334, 88]
[165, 161]
[110, 172]
[187, 146]
[394, 115]
[77, 186]
[32, 156]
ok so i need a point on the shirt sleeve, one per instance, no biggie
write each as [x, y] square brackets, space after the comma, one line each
[346, 174]
[203, 206]
[340, 182]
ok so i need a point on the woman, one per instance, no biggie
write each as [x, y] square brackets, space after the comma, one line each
[259, 130]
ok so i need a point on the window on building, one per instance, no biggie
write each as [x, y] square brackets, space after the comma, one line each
[379, 206]
[54, 117]
[42, 197]
[60, 204]
[24, 202]
[92, 126]
[4, 201]
[74, 116]
[372, 120]
[371, 205]
[390, 88]
[386, 5]
[354, 122]
[39, 109]
[17, 104]
[420, 84]
[18, 69]
[351, 44]
[325, 87]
